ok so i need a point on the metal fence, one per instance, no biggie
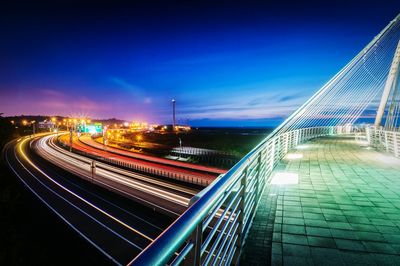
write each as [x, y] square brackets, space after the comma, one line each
[384, 140]
[213, 229]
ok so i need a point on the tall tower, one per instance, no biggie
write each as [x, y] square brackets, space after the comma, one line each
[173, 114]
[390, 85]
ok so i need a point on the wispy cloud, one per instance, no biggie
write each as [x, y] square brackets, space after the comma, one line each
[219, 56]
[123, 84]
[241, 106]
[137, 92]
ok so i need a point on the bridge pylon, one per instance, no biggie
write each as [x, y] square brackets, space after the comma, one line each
[391, 87]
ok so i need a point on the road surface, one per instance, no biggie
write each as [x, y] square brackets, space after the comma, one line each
[117, 227]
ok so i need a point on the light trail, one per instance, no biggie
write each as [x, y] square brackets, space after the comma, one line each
[110, 171]
[46, 147]
[73, 161]
[87, 140]
[174, 170]
[131, 174]
[22, 153]
[58, 213]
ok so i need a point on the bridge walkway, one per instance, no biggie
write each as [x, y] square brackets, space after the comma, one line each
[344, 209]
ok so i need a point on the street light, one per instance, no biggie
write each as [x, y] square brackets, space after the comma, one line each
[33, 127]
[104, 137]
[70, 139]
[173, 114]
[58, 128]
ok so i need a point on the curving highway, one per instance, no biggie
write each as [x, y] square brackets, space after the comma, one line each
[118, 227]
[87, 140]
[159, 194]
[163, 168]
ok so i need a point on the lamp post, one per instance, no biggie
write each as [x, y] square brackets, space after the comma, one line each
[104, 137]
[180, 148]
[93, 169]
[173, 114]
[54, 121]
[33, 127]
[58, 128]
[70, 139]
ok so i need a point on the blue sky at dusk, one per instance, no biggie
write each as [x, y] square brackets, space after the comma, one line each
[227, 63]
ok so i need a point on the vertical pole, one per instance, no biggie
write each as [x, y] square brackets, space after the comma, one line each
[197, 245]
[394, 70]
[258, 181]
[241, 221]
[386, 141]
[395, 145]
[70, 139]
[104, 137]
[180, 148]
[272, 162]
[93, 169]
[173, 114]
[368, 135]
[194, 257]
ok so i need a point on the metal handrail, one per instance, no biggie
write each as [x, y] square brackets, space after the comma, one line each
[388, 140]
[189, 227]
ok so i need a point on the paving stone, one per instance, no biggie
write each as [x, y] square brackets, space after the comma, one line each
[293, 229]
[316, 216]
[372, 236]
[378, 247]
[344, 211]
[296, 250]
[386, 260]
[318, 231]
[321, 242]
[326, 256]
[297, 261]
[294, 239]
[357, 258]
[349, 244]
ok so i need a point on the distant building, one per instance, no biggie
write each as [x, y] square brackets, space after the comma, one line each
[170, 128]
[46, 125]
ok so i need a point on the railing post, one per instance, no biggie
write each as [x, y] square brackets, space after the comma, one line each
[272, 162]
[259, 158]
[301, 136]
[395, 146]
[297, 136]
[286, 142]
[279, 144]
[242, 204]
[386, 141]
[368, 135]
[197, 239]
[194, 256]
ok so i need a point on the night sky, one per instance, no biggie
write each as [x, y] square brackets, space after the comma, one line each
[227, 64]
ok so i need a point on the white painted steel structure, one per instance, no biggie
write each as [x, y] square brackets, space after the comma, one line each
[199, 236]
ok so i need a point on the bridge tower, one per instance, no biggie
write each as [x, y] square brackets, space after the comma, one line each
[391, 87]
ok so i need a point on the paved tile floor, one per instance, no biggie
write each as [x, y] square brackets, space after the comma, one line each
[345, 209]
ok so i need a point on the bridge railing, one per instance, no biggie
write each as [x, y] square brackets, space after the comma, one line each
[384, 140]
[213, 229]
